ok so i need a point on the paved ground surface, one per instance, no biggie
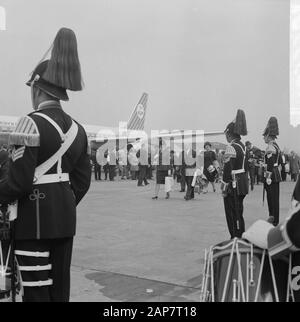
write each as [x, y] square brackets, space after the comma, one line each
[132, 248]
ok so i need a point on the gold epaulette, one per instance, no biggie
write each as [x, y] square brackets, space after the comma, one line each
[230, 152]
[26, 133]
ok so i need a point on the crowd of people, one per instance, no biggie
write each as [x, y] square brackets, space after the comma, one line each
[120, 164]
[126, 166]
[238, 169]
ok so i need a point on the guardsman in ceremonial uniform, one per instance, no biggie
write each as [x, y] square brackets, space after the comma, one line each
[235, 184]
[272, 173]
[48, 175]
[250, 163]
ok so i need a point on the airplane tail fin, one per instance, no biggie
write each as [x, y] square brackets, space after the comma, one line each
[138, 116]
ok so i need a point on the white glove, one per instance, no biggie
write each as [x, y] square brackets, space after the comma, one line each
[269, 181]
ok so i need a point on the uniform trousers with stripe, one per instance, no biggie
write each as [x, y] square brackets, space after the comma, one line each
[45, 262]
[273, 200]
[234, 209]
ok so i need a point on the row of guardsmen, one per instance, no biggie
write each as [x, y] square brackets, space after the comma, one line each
[235, 185]
[235, 180]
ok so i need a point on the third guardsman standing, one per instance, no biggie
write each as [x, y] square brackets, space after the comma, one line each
[235, 184]
[272, 173]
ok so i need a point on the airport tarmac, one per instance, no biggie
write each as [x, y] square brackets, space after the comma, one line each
[129, 247]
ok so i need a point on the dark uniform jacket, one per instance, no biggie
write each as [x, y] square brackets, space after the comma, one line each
[251, 159]
[235, 160]
[3, 163]
[46, 211]
[209, 165]
[272, 160]
[296, 193]
[3, 171]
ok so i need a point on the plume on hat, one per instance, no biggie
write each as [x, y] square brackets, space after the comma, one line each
[272, 128]
[240, 124]
[64, 69]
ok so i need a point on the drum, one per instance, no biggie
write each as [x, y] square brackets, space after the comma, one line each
[6, 259]
[237, 271]
[5, 273]
[293, 279]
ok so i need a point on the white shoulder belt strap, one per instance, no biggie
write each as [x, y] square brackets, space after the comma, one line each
[53, 123]
[67, 140]
[239, 171]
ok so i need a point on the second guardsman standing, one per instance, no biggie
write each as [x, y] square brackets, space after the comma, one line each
[235, 185]
[272, 173]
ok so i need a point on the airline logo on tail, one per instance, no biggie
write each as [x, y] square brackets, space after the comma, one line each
[137, 119]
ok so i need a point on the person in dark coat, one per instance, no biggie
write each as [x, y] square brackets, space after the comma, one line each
[112, 164]
[106, 165]
[250, 164]
[283, 166]
[211, 165]
[49, 173]
[97, 166]
[149, 171]
[162, 170]
[181, 170]
[235, 185]
[142, 155]
[272, 173]
[294, 166]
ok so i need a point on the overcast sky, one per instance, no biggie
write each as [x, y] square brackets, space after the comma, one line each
[199, 60]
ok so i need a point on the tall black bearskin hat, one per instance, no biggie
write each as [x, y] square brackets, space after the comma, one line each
[272, 128]
[239, 125]
[62, 71]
